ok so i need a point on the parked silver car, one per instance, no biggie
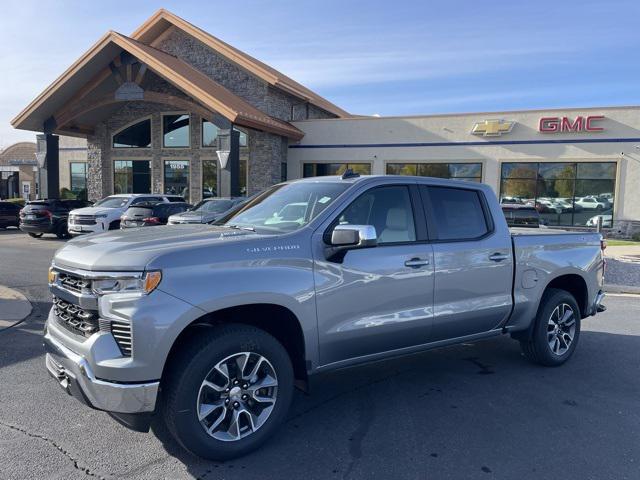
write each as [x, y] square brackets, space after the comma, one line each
[211, 326]
[207, 211]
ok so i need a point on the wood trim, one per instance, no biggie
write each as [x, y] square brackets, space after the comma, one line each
[69, 72]
[149, 96]
[141, 72]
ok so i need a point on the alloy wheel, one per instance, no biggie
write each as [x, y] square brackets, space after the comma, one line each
[237, 396]
[561, 329]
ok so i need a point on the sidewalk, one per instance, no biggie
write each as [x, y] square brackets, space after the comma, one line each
[14, 307]
[630, 253]
[623, 269]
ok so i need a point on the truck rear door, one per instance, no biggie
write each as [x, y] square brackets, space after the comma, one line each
[473, 262]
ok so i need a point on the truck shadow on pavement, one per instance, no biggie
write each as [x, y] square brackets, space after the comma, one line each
[452, 411]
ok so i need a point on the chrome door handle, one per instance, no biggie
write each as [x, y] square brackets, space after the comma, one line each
[416, 262]
[498, 257]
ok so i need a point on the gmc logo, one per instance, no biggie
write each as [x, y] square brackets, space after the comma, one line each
[564, 124]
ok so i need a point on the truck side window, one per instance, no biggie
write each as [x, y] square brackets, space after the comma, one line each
[388, 209]
[457, 213]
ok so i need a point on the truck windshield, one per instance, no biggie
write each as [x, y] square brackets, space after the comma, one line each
[285, 208]
[112, 202]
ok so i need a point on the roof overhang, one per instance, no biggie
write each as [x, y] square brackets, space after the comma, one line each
[153, 29]
[93, 68]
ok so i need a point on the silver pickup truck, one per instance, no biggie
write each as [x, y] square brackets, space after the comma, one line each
[210, 327]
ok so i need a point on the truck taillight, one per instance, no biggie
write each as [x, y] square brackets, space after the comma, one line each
[151, 220]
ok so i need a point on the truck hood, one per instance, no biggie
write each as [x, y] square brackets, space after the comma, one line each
[134, 249]
[95, 210]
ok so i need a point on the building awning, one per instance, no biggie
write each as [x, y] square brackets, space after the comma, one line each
[67, 96]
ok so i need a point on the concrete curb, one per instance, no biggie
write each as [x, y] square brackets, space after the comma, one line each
[14, 307]
[609, 288]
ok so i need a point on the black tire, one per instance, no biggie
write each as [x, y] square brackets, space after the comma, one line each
[194, 362]
[62, 231]
[537, 349]
[34, 235]
[115, 225]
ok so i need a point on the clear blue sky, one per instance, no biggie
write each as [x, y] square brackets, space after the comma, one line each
[369, 57]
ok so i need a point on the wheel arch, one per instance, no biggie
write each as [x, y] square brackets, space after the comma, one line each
[277, 320]
[576, 285]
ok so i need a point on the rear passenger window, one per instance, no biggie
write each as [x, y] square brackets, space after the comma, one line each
[457, 213]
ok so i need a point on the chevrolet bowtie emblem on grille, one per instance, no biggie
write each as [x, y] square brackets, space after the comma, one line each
[492, 128]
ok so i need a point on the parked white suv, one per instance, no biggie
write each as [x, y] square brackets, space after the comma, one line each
[105, 214]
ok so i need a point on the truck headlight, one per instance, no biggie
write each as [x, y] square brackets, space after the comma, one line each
[144, 283]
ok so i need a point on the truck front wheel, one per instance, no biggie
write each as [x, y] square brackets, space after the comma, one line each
[556, 330]
[227, 391]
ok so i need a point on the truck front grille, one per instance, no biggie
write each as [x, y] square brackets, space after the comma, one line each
[82, 220]
[122, 333]
[72, 282]
[73, 318]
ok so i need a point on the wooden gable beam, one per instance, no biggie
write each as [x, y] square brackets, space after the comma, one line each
[141, 72]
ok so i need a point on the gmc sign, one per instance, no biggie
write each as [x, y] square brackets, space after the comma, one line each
[565, 124]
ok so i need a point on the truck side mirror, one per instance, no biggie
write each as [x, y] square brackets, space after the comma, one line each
[349, 237]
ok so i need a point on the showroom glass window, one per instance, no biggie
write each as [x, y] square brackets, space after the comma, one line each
[78, 182]
[322, 169]
[175, 131]
[209, 178]
[565, 193]
[457, 171]
[131, 176]
[137, 135]
[176, 178]
[209, 134]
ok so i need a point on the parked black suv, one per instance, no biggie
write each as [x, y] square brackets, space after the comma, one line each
[150, 214]
[9, 214]
[48, 216]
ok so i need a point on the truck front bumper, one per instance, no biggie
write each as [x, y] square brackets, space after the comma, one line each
[75, 376]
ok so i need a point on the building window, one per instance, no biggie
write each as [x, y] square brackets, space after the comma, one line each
[457, 171]
[209, 178]
[78, 177]
[131, 176]
[243, 140]
[283, 171]
[563, 193]
[175, 131]
[209, 134]
[322, 169]
[176, 178]
[137, 135]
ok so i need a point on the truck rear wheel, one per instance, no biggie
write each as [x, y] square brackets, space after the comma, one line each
[227, 391]
[556, 330]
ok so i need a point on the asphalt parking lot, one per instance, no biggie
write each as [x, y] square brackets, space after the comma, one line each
[477, 410]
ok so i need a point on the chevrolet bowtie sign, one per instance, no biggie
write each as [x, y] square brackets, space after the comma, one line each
[492, 128]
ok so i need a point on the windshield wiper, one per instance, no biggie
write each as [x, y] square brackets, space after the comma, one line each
[240, 227]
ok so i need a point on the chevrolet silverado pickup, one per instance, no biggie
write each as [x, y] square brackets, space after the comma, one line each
[210, 327]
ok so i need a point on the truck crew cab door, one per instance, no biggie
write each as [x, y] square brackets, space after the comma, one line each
[376, 299]
[473, 262]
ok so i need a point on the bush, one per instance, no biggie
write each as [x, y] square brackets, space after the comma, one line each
[636, 237]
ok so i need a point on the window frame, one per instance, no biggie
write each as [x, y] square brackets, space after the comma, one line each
[417, 163]
[166, 160]
[432, 226]
[419, 218]
[302, 165]
[162, 134]
[575, 179]
[71, 164]
[131, 124]
[202, 145]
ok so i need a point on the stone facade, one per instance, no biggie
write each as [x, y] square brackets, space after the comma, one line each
[264, 154]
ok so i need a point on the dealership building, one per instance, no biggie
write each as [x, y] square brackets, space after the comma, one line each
[173, 109]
